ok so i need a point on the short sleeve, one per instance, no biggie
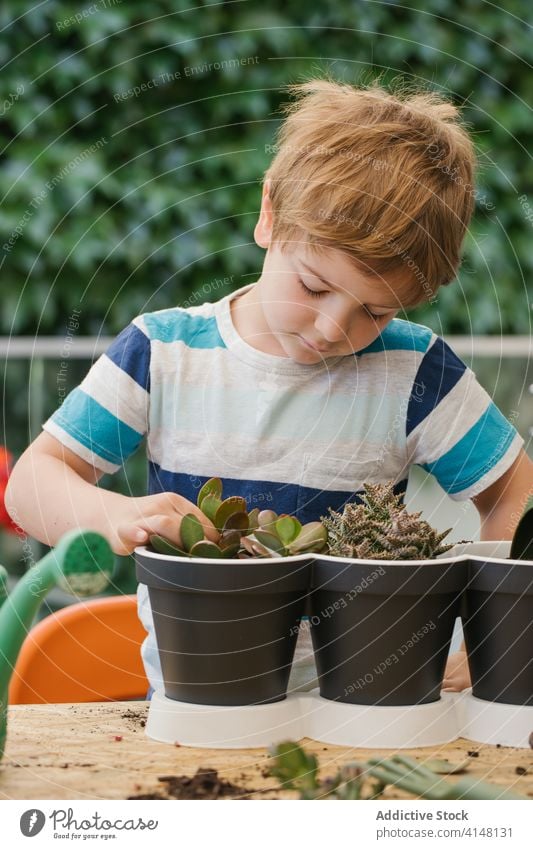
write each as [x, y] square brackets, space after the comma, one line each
[104, 419]
[454, 430]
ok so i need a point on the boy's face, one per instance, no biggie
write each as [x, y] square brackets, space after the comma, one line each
[283, 314]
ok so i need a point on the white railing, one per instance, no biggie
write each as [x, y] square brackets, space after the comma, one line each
[88, 347]
[62, 348]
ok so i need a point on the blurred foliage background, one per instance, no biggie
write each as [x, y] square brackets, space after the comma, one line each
[166, 202]
[135, 137]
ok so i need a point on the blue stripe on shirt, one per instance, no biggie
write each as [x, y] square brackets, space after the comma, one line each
[130, 351]
[85, 420]
[437, 374]
[476, 453]
[400, 335]
[306, 503]
[196, 331]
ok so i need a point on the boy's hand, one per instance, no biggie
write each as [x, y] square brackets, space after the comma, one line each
[457, 674]
[133, 520]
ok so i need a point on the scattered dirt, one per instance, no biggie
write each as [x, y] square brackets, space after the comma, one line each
[132, 714]
[521, 770]
[473, 754]
[137, 718]
[205, 784]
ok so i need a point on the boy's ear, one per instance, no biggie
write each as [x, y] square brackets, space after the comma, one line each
[263, 228]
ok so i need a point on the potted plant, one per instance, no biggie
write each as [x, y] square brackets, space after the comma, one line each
[382, 607]
[226, 615]
[498, 622]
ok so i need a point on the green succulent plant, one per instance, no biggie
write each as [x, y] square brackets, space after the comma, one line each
[230, 517]
[296, 769]
[382, 529]
[243, 534]
[281, 536]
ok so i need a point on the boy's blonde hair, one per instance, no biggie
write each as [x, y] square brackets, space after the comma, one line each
[385, 178]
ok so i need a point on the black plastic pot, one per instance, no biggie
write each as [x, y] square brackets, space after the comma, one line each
[381, 631]
[498, 630]
[226, 630]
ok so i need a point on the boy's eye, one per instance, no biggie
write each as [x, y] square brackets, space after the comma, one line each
[313, 294]
[308, 291]
[375, 315]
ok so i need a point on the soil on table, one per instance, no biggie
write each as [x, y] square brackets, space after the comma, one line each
[205, 784]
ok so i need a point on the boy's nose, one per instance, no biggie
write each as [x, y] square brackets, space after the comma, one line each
[334, 326]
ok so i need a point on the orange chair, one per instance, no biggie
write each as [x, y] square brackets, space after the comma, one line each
[87, 652]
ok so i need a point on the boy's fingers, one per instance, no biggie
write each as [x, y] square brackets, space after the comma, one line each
[210, 531]
[165, 526]
[185, 507]
[181, 506]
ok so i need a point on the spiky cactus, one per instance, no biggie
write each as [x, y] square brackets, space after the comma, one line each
[382, 529]
[259, 533]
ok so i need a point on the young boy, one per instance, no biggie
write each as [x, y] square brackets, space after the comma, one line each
[298, 388]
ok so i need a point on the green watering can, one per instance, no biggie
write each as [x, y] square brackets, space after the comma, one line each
[81, 564]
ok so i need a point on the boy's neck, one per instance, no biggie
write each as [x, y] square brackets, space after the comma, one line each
[246, 314]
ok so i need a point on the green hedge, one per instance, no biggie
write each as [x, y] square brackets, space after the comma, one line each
[134, 200]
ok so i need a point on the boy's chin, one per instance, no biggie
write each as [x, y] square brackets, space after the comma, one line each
[304, 353]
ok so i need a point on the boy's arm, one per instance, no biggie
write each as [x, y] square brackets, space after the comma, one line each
[51, 490]
[501, 504]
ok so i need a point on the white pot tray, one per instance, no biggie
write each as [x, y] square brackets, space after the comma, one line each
[361, 726]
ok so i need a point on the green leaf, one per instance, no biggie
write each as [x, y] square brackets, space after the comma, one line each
[228, 539]
[254, 548]
[164, 546]
[232, 505]
[287, 528]
[211, 487]
[267, 518]
[191, 530]
[270, 541]
[237, 522]
[294, 768]
[210, 505]
[206, 549]
[253, 518]
[231, 551]
[312, 536]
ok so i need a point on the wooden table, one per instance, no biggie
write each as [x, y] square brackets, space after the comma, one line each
[100, 751]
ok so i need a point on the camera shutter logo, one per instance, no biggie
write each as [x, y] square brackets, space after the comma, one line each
[32, 822]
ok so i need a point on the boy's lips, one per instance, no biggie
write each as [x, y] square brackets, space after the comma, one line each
[315, 347]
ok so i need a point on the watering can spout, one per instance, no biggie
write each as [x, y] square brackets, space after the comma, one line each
[81, 564]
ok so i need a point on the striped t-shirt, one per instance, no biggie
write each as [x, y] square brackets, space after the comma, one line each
[292, 437]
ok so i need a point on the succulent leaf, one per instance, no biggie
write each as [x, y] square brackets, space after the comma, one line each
[254, 548]
[313, 536]
[253, 519]
[210, 505]
[287, 529]
[227, 508]
[237, 522]
[380, 528]
[269, 540]
[211, 487]
[231, 550]
[229, 538]
[164, 546]
[191, 531]
[266, 519]
[206, 548]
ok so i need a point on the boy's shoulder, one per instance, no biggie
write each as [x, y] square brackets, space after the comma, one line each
[181, 323]
[401, 335]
